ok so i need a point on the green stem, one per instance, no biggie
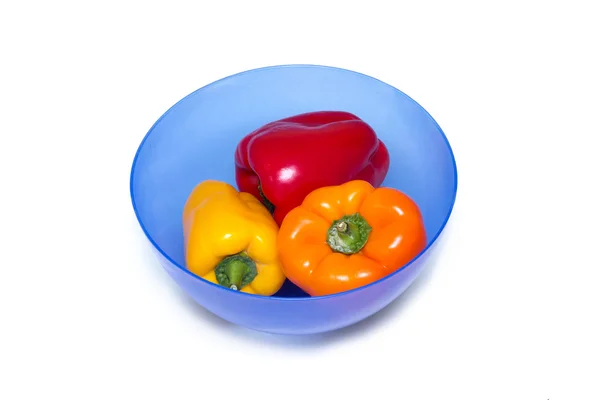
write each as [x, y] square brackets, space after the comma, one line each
[270, 206]
[349, 234]
[235, 272]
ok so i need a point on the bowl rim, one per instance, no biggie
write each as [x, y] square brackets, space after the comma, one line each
[277, 298]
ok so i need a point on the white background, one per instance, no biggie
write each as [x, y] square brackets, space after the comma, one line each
[509, 311]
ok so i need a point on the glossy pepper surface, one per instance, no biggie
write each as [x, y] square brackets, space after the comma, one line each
[230, 239]
[347, 236]
[283, 161]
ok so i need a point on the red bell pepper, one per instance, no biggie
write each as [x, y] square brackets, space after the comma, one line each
[283, 161]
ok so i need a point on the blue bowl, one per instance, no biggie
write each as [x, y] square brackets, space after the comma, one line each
[195, 140]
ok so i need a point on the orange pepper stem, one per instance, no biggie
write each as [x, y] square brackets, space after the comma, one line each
[349, 234]
[235, 272]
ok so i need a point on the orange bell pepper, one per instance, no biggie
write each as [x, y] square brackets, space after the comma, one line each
[347, 236]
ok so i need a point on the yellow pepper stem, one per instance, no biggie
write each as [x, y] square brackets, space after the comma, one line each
[235, 272]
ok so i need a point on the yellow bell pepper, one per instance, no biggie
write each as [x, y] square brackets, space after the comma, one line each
[231, 239]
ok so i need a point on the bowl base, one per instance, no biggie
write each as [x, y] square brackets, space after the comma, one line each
[290, 290]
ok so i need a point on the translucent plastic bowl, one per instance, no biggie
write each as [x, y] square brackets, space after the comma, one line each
[196, 139]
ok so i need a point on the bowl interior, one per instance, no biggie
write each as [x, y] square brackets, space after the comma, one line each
[196, 139]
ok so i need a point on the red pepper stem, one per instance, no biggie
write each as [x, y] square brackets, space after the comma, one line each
[349, 234]
[270, 206]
